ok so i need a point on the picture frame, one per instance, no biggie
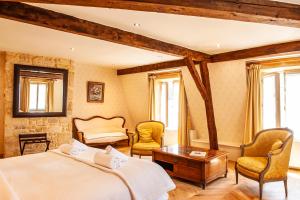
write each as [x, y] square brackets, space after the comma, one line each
[95, 92]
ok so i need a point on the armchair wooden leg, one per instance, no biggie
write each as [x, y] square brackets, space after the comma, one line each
[261, 185]
[285, 187]
[140, 156]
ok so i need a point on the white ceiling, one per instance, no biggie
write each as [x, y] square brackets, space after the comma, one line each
[289, 1]
[202, 34]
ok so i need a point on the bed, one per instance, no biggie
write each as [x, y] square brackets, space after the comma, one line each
[54, 175]
[98, 131]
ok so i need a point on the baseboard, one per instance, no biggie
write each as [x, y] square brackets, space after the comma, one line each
[233, 149]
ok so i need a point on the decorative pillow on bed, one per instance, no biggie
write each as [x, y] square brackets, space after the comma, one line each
[145, 135]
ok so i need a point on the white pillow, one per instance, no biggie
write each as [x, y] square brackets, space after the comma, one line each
[79, 145]
[73, 149]
[66, 148]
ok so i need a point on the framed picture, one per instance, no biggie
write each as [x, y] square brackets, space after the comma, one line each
[95, 92]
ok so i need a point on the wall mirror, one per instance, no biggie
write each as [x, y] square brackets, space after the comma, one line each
[39, 91]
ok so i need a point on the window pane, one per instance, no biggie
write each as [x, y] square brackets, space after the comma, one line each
[269, 102]
[293, 103]
[42, 96]
[173, 103]
[32, 96]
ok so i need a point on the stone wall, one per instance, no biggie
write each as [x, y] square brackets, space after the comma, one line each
[59, 129]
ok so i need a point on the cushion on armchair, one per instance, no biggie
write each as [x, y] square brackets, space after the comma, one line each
[145, 135]
[148, 146]
[254, 164]
[276, 145]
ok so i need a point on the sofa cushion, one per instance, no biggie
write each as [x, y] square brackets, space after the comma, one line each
[89, 135]
[254, 164]
[106, 139]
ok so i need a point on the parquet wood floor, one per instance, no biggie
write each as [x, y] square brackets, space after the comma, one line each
[226, 189]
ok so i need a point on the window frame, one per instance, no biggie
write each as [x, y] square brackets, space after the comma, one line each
[280, 102]
[163, 79]
[38, 83]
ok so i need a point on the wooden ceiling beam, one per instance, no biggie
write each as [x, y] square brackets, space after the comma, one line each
[257, 51]
[58, 21]
[152, 67]
[267, 50]
[258, 11]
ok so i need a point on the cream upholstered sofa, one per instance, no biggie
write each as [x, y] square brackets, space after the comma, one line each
[101, 131]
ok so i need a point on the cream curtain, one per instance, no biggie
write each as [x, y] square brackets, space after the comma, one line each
[24, 100]
[50, 95]
[151, 97]
[253, 122]
[183, 116]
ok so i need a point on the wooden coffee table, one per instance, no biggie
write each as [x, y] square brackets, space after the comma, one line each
[178, 163]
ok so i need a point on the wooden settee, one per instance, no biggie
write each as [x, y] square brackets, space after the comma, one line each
[98, 131]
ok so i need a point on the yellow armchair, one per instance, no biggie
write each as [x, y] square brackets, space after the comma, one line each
[142, 148]
[267, 158]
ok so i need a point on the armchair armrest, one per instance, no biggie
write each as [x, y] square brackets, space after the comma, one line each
[162, 141]
[248, 149]
[277, 166]
[278, 162]
[133, 137]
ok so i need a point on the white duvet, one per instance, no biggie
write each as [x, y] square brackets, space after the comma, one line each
[56, 176]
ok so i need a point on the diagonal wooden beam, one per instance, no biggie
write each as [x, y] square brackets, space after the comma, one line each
[259, 11]
[57, 21]
[195, 75]
[257, 51]
[209, 108]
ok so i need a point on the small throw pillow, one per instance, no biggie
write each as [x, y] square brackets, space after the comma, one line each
[145, 135]
[276, 145]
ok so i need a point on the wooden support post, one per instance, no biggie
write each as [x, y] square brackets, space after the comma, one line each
[203, 86]
[211, 124]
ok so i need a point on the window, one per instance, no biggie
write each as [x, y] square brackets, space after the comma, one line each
[281, 100]
[167, 102]
[38, 96]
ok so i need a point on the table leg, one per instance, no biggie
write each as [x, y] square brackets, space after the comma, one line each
[203, 186]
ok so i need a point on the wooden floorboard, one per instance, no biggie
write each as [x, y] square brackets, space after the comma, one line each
[226, 189]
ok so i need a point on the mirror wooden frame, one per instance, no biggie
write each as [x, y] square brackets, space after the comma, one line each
[16, 94]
